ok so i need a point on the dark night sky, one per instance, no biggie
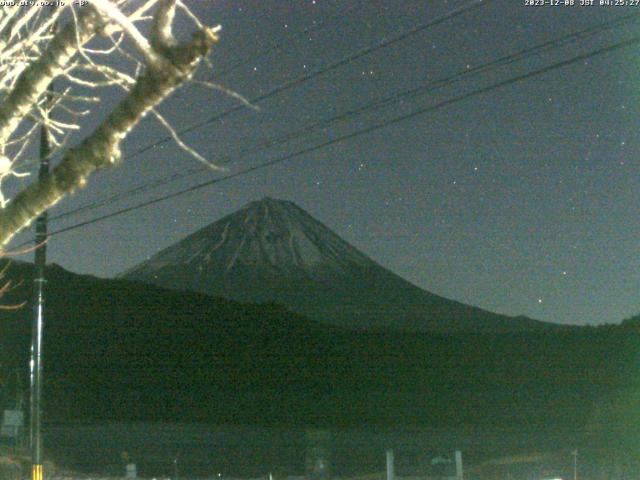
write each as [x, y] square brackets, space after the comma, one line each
[521, 200]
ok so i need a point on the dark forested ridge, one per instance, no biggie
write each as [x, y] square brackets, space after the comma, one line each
[121, 350]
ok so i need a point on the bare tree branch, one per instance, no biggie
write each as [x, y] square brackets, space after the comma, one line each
[35, 79]
[174, 65]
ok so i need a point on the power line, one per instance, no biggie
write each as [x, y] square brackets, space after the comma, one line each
[417, 91]
[370, 129]
[385, 42]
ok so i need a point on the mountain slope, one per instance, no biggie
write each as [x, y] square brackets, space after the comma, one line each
[116, 350]
[273, 251]
[128, 351]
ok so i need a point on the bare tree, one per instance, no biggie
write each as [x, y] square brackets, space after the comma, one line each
[79, 54]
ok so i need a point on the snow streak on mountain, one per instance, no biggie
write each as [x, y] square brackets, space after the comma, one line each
[273, 251]
[267, 236]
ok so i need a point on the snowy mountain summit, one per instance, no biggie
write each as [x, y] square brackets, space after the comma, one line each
[268, 236]
[273, 251]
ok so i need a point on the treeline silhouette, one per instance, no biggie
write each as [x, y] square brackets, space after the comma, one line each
[115, 350]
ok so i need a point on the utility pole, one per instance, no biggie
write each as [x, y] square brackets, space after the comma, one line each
[37, 324]
[575, 464]
[459, 471]
[391, 475]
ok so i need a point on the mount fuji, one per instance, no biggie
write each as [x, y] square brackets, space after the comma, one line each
[272, 251]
